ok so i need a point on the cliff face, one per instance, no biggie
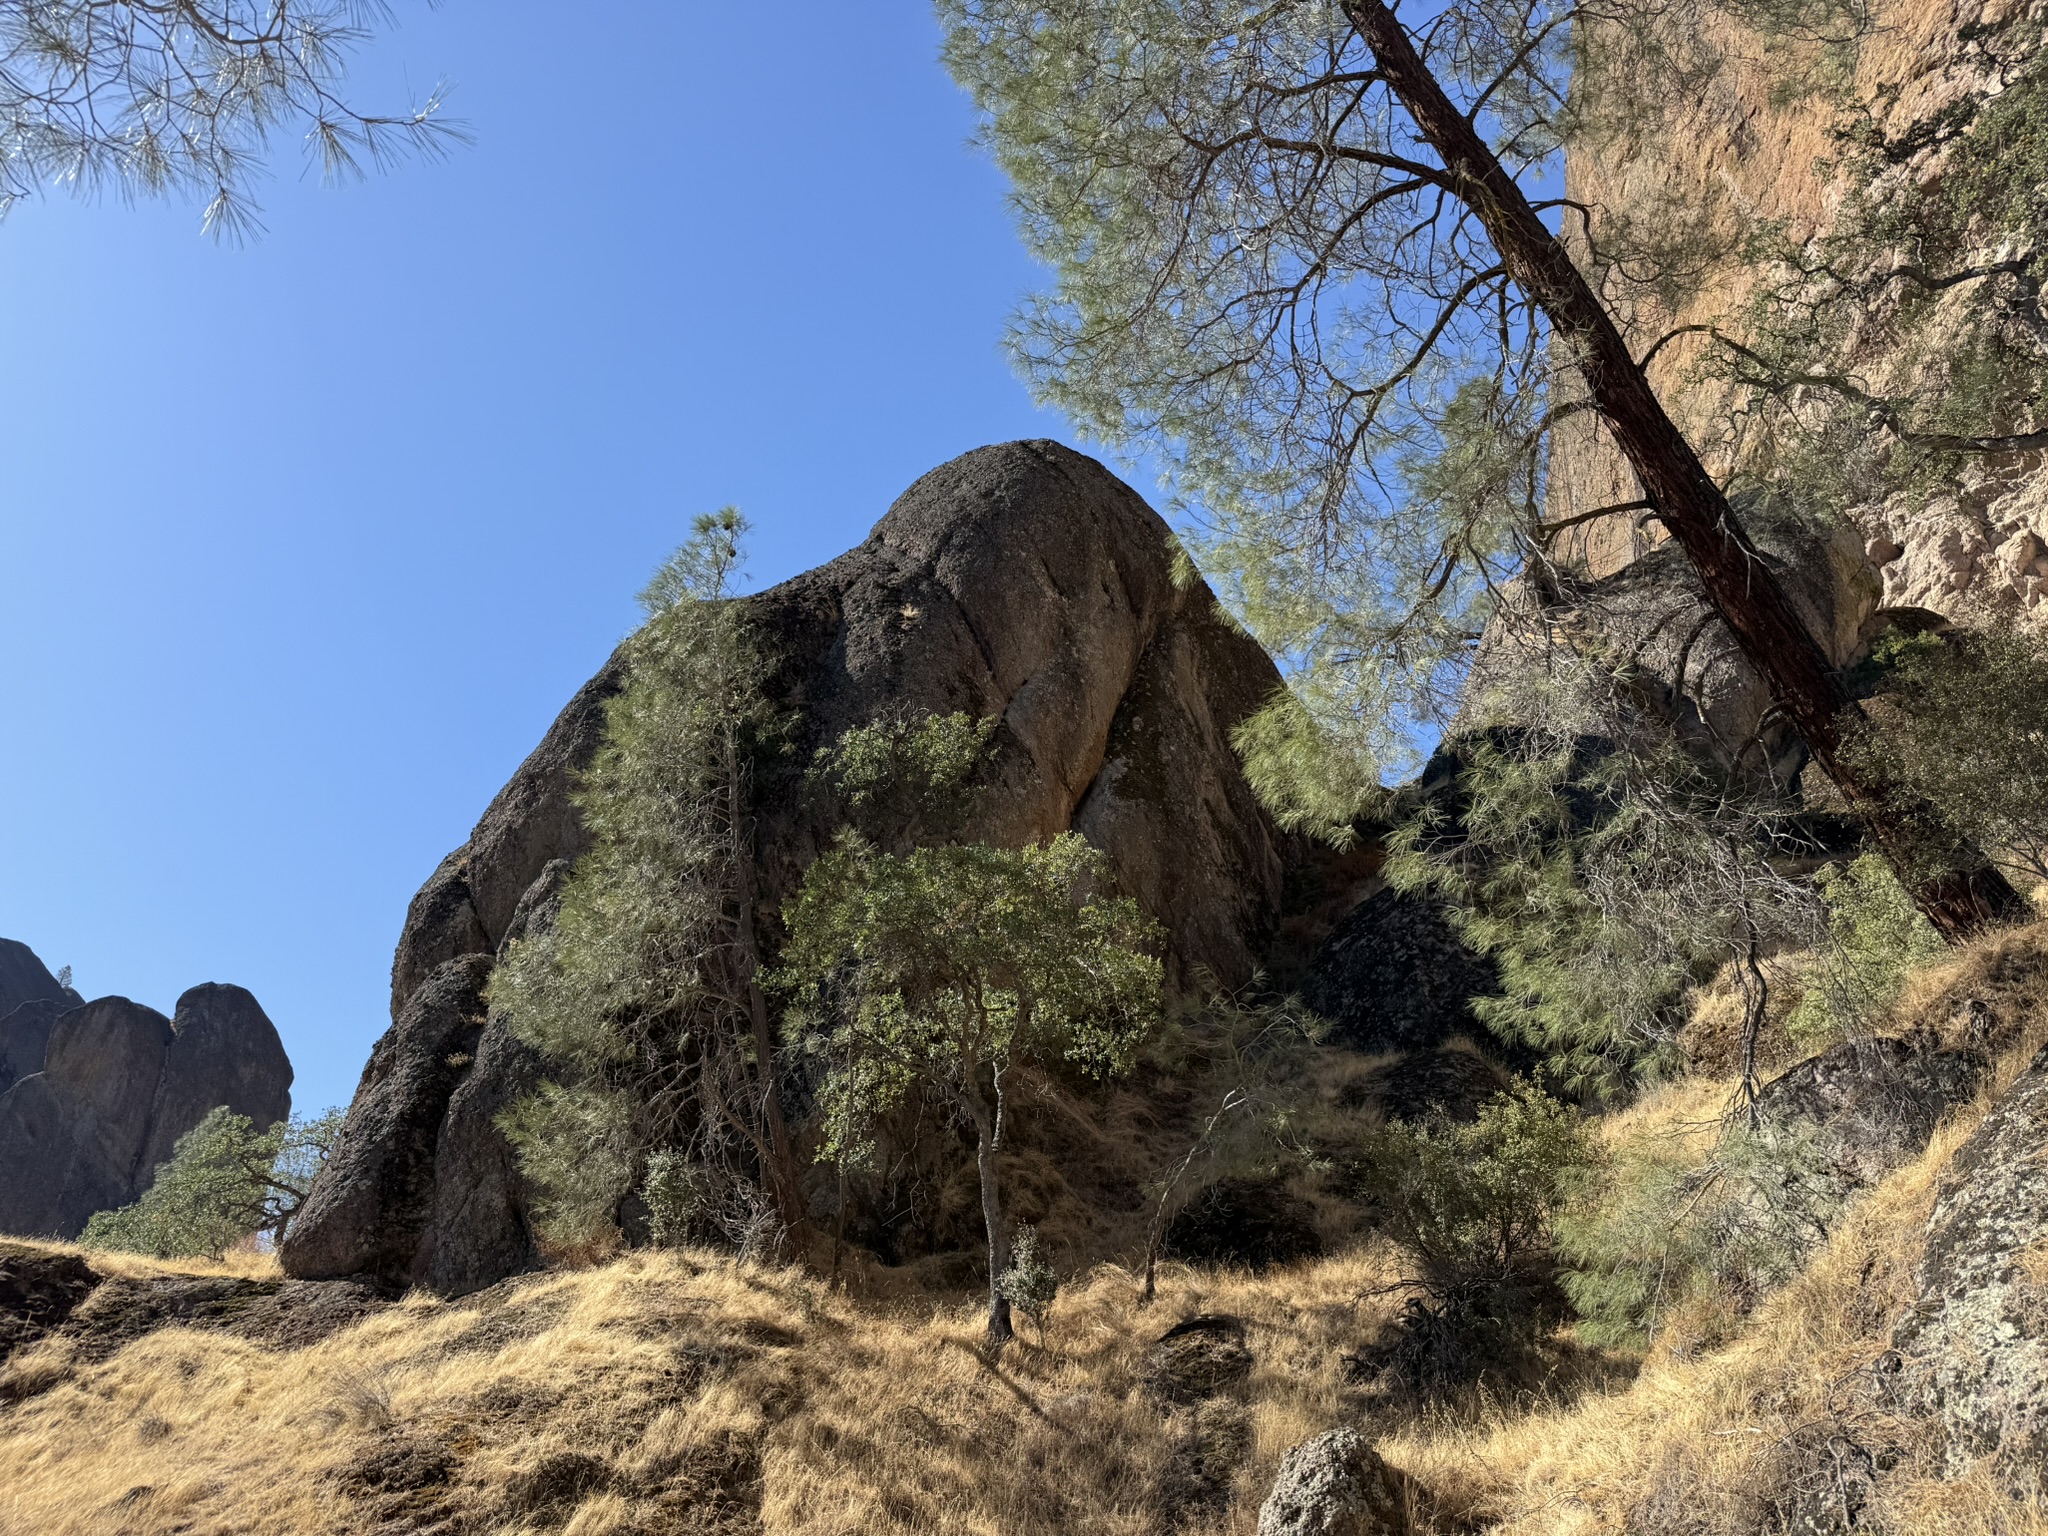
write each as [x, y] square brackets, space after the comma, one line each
[1738, 152]
[1021, 581]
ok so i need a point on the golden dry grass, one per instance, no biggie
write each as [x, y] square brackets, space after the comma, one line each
[670, 1391]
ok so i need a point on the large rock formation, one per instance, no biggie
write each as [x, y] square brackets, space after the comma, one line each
[1973, 1349]
[1022, 581]
[104, 1090]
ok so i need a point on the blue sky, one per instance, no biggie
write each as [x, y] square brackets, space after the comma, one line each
[305, 543]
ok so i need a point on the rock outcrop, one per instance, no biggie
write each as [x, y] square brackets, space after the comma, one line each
[1023, 582]
[1336, 1485]
[1973, 1350]
[109, 1088]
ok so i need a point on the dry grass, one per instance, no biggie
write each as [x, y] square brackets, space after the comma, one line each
[685, 1392]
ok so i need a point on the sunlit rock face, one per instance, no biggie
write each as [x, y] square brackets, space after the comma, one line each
[1022, 582]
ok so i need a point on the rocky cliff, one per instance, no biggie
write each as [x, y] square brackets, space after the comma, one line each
[1021, 581]
[1745, 150]
[97, 1094]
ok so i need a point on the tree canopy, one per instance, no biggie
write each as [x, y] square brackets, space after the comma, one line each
[186, 97]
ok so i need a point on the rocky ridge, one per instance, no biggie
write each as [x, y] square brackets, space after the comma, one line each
[97, 1094]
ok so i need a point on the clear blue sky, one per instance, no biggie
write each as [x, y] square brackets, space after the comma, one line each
[305, 543]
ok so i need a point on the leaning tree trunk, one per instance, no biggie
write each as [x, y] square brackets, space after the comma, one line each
[1742, 589]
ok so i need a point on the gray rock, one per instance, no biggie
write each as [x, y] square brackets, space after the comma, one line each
[25, 979]
[369, 1209]
[1974, 1346]
[224, 1052]
[25, 1037]
[1022, 581]
[72, 1135]
[1872, 1104]
[1652, 616]
[1336, 1485]
[1395, 976]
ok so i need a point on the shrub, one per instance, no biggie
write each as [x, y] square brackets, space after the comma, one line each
[1030, 1284]
[1876, 937]
[1661, 1235]
[1474, 1205]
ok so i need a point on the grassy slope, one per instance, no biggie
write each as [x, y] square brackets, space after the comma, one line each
[680, 1391]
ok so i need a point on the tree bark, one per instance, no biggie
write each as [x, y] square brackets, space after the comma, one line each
[987, 1143]
[1742, 589]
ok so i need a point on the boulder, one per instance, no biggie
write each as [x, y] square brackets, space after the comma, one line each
[1871, 1104]
[1023, 582]
[118, 1085]
[1395, 976]
[38, 1291]
[369, 1208]
[25, 979]
[25, 1037]
[73, 1134]
[1336, 1485]
[1973, 1348]
[224, 1050]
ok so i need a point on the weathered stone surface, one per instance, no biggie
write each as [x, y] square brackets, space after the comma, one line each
[96, 1096]
[1022, 581]
[25, 979]
[369, 1209]
[1653, 618]
[72, 1135]
[224, 1051]
[1872, 1104]
[25, 1037]
[38, 1291]
[1394, 976]
[1974, 1346]
[1336, 1485]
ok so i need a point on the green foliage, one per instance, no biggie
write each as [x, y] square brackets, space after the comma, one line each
[225, 1181]
[1311, 777]
[1473, 1205]
[1960, 728]
[1997, 176]
[678, 1196]
[1030, 1284]
[1876, 938]
[949, 961]
[1604, 867]
[1474, 1202]
[637, 995]
[899, 779]
[1660, 1236]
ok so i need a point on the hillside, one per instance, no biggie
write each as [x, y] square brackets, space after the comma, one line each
[685, 1390]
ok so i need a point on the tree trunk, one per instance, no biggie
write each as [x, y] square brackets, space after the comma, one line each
[785, 1187]
[987, 1142]
[1740, 586]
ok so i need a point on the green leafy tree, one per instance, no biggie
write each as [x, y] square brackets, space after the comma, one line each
[1295, 258]
[1960, 726]
[644, 996]
[225, 1181]
[185, 97]
[952, 965]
